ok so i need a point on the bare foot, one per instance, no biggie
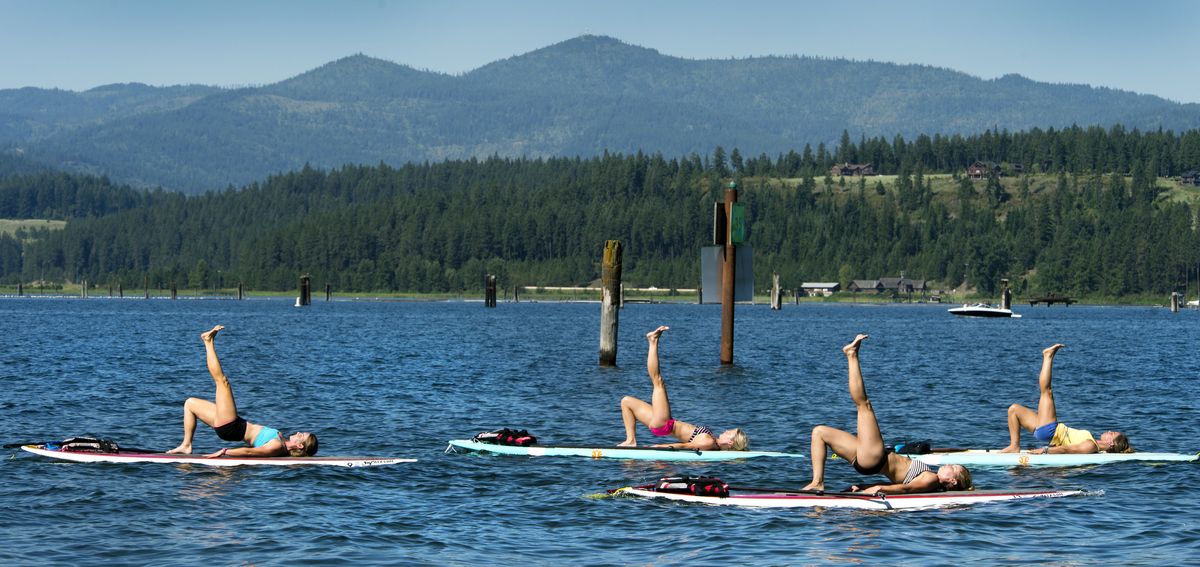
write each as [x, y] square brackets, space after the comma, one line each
[814, 486]
[653, 335]
[627, 443]
[1050, 350]
[852, 348]
[1011, 449]
[181, 450]
[208, 336]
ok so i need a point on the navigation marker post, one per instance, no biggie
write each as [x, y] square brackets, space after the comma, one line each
[727, 278]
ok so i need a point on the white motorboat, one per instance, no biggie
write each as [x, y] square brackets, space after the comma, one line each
[982, 310]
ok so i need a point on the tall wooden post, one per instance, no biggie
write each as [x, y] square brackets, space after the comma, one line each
[174, 291]
[305, 290]
[146, 286]
[1174, 302]
[241, 292]
[610, 300]
[20, 289]
[727, 279]
[83, 290]
[328, 291]
[776, 294]
[121, 290]
[1005, 295]
[489, 290]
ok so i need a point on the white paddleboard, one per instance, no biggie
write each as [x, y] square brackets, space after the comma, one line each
[985, 457]
[800, 499]
[632, 453]
[85, 457]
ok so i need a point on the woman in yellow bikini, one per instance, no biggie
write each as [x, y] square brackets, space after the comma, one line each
[1057, 437]
[657, 415]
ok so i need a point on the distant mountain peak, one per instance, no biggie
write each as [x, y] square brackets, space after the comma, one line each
[355, 77]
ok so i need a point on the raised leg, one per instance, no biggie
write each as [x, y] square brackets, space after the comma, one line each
[226, 408]
[1046, 412]
[869, 450]
[661, 406]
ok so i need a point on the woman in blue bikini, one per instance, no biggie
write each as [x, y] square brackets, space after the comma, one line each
[657, 415]
[223, 417]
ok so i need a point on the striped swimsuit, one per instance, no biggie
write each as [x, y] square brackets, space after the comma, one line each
[700, 429]
[915, 469]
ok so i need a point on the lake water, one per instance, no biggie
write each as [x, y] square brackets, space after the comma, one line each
[402, 378]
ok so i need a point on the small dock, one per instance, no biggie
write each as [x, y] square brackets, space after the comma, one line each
[1051, 299]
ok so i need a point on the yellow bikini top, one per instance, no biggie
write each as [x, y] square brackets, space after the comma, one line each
[1064, 435]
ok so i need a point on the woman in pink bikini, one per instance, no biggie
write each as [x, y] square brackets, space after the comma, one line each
[657, 415]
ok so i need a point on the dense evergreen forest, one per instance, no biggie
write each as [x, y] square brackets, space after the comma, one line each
[1089, 217]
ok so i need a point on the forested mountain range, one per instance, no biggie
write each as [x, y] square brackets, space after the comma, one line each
[1093, 216]
[581, 97]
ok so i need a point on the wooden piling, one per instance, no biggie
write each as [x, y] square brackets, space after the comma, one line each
[146, 286]
[305, 290]
[1005, 295]
[776, 294]
[121, 290]
[241, 292]
[1174, 302]
[328, 292]
[610, 300]
[489, 290]
[727, 279]
[174, 291]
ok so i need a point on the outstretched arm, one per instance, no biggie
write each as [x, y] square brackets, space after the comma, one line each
[268, 450]
[1084, 447]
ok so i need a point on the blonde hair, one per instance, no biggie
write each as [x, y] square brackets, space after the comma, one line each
[740, 440]
[1120, 444]
[964, 479]
[309, 449]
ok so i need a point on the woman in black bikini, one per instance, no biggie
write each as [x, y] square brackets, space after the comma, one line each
[866, 451]
[222, 416]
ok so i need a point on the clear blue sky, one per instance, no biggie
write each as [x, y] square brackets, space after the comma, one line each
[1146, 46]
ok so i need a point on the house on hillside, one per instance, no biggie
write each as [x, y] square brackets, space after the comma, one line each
[852, 169]
[867, 286]
[902, 285]
[822, 289]
[982, 169]
[1190, 177]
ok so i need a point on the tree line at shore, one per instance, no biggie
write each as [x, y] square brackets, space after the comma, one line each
[1089, 219]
